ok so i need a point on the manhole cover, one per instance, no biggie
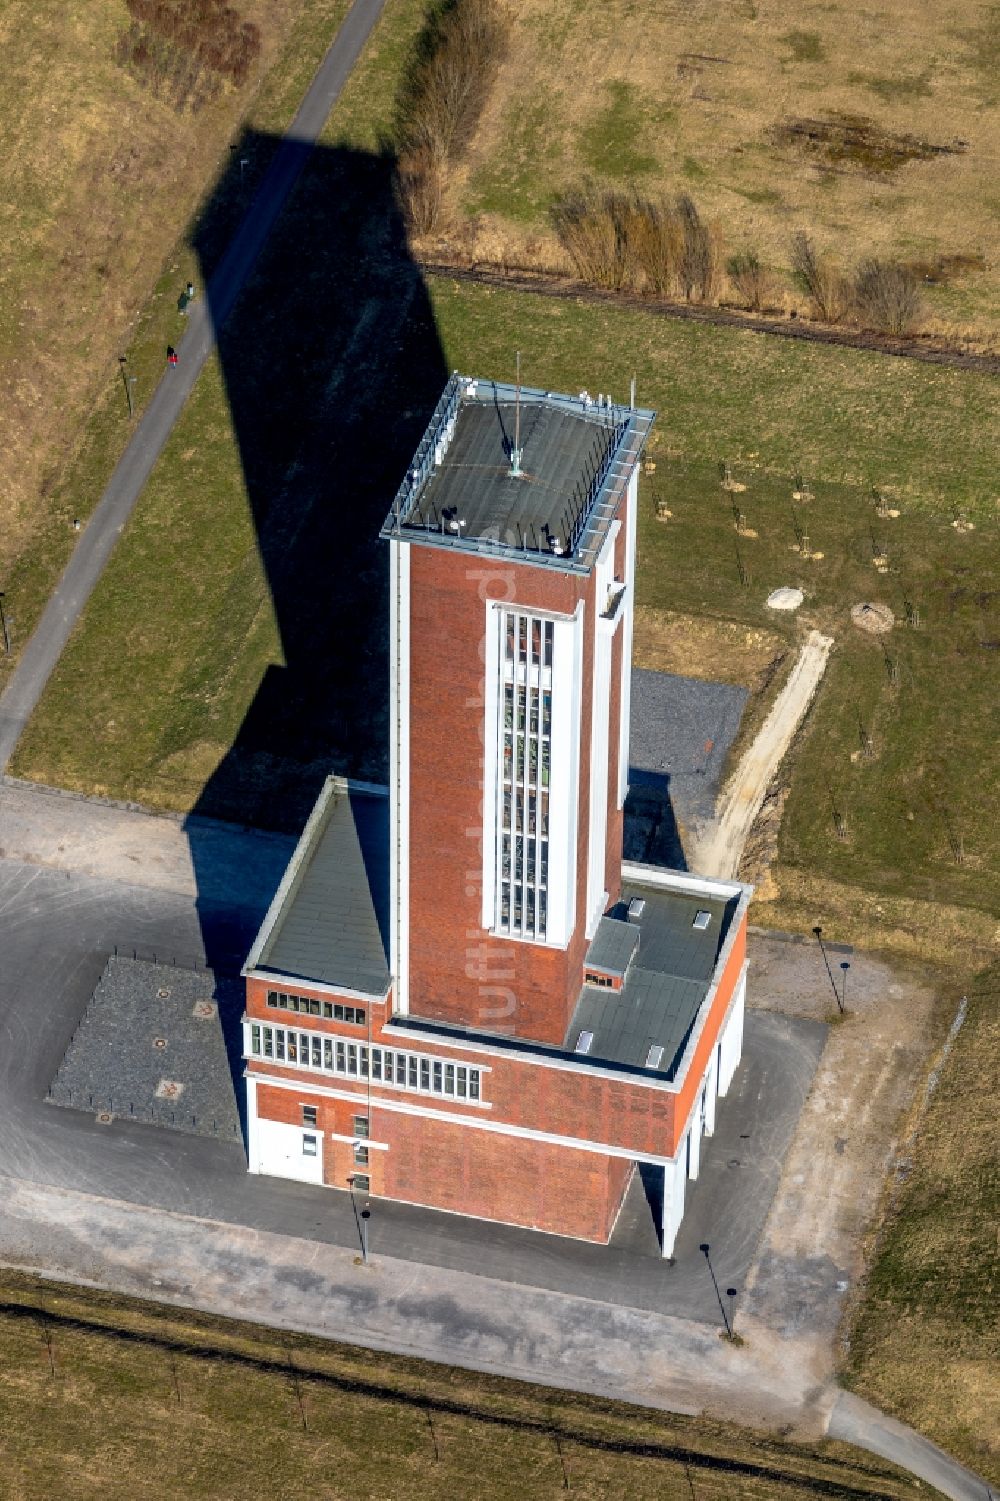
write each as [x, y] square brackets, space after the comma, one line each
[734, 1162]
[159, 1042]
[169, 1089]
[104, 1117]
[163, 992]
[204, 1010]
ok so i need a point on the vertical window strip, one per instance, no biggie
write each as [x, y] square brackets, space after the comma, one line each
[524, 732]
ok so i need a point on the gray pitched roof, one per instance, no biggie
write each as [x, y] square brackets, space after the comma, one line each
[330, 924]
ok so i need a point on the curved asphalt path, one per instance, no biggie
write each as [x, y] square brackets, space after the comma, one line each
[115, 507]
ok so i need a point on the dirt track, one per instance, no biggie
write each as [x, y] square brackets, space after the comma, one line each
[783, 328]
[718, 850]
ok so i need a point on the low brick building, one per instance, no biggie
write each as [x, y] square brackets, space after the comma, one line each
[460, 997]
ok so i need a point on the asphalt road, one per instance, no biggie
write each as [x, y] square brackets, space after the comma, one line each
[115, 506]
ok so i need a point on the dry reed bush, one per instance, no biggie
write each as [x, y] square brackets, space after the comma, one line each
[887, 296]
[700, 262]
[443, 95]
[822, 280]
[623, 240]
[752, 281]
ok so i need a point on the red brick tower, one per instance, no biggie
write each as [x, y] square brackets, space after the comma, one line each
[513, 562]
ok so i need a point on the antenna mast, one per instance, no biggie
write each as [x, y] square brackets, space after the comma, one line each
[517, 450]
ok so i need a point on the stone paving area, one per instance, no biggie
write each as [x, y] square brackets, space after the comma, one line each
[681, 731]
[151, 1047]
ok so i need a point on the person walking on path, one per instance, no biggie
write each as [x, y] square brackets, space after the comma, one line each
[171, 355]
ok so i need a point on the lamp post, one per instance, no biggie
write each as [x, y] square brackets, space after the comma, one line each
[129, 383]
[704, 1248]
[844, 967]
[731, 1295]
[822, 948]
[366, 1215]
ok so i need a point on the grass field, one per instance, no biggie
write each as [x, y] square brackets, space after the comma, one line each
[693, 98]
[129, 1401]
[926, 1344]
[96, 175]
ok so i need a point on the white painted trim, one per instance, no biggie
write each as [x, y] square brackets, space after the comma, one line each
[653, 875]
[492, 754]
[399, 770]
[564, 777]
[330, 788]
[624, 723]
[600, 733]
[501, 1128]
[361, 1141]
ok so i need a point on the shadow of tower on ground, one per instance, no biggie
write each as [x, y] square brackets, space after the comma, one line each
[331, 365]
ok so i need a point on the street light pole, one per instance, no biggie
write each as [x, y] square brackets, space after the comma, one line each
[366, 1215]
[822, 948]
[844, 967]
[129, 382]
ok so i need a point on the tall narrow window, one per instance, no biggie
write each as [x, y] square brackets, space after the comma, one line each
[524, 756]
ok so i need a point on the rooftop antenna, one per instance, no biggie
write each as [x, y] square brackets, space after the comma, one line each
[517, 451]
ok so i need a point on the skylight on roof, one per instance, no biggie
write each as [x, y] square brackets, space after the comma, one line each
[654, 1057]
[584, 1042]
[701, 920]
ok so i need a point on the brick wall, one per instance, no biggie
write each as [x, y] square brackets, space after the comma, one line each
[458, 972]
[518, 1182]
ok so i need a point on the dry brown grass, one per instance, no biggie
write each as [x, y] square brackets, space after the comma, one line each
[673, 97]
[721, 651]
[97, 179]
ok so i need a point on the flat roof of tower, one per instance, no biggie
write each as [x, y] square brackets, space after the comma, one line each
[553, 505]
[647, 1022]
[328, 922]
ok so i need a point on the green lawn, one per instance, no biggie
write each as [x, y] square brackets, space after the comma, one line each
[105, 1397]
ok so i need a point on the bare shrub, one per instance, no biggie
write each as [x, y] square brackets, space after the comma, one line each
[887, 296]
[421, 186]
[751, 279]
[443, 95]
[700, 255]
[821, 279]
[657, 241]
[592, 227]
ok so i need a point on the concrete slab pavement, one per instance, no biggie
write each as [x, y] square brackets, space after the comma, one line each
[480, 1322]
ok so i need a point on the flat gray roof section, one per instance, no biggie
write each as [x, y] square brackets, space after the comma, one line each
[576, 456]
[329, 920]
[665, 985]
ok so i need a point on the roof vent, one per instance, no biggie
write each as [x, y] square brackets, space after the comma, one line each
[584, 1042]
[637, 907]
[654, 1057]
[701, 920]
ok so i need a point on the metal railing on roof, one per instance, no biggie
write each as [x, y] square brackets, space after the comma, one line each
[585, 516]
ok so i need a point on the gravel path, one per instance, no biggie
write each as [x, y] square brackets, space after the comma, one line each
[718, 853]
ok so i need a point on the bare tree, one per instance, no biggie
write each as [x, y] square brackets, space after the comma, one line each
[820, 278]
[887, 296]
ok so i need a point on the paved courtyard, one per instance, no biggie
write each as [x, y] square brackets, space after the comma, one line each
[150, 1047]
